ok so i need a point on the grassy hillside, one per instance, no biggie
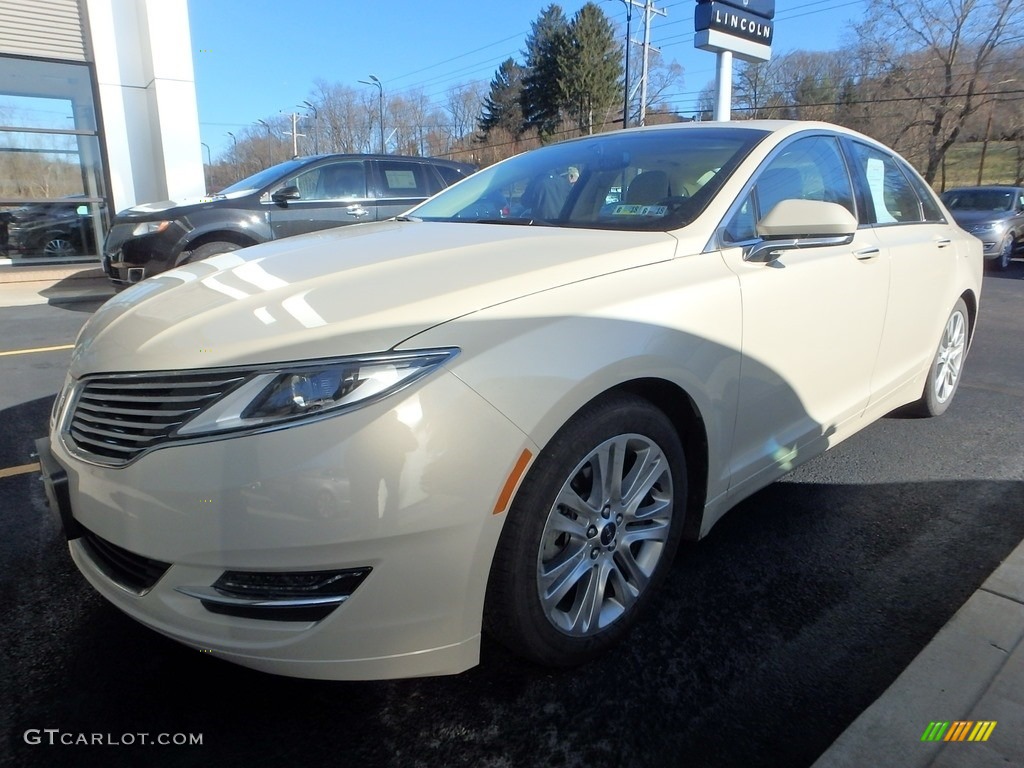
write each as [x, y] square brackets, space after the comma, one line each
[963, 160]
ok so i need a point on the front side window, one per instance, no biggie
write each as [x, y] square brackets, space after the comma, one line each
[811, 168]
[890, 196]
[345, 180]
[659, 180]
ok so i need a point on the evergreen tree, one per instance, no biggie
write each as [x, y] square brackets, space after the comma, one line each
[590, 77]
[502, 109]
[541, 96]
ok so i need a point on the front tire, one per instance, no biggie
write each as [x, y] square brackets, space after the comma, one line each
[947, 365]
[1006, 251]
[590, 535]
[206, 250]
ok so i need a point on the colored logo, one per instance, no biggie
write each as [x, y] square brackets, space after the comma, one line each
[959, 730]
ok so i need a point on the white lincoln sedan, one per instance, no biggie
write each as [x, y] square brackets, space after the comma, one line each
[347, 455]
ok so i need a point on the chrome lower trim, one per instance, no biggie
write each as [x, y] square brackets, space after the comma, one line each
[211, 595]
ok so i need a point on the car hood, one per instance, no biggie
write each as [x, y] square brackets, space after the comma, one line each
[968, 219]
[163, 209]
[356, 289]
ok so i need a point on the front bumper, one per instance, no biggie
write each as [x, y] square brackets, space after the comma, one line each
[410, 484]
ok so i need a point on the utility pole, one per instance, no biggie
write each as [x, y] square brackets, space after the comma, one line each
[295, 135]
[648, 10]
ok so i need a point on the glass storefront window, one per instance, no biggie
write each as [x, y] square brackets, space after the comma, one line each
[52, 196]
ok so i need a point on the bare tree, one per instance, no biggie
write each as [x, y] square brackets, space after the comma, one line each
[759, 89]
[939, 54]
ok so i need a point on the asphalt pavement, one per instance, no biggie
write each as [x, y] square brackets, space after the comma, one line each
[958, 702]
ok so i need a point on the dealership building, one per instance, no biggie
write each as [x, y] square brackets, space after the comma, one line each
[97, 113]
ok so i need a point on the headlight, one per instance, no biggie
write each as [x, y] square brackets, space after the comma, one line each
[150, 228]
[306, 391]
[994, 227]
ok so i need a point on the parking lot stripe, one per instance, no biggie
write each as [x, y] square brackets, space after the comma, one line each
[24, 469]
[37, 349]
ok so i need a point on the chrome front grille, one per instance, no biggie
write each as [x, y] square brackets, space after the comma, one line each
[116, 418]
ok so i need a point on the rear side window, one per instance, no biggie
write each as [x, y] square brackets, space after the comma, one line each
[398, 179]
[891, 199]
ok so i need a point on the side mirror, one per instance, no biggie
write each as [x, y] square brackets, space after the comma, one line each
[802, 224]
[284, 194]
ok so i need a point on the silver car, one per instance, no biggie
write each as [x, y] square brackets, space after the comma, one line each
[995, 215]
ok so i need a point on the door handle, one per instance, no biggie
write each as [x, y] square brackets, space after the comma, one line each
[357, 211]
[866, 253]
[942, 242]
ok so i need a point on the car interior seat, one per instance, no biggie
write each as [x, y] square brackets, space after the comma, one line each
[648, 187]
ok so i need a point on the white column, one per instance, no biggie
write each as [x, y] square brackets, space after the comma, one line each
[723, 86]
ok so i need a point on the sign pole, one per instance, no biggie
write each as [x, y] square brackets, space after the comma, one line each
[723, 86]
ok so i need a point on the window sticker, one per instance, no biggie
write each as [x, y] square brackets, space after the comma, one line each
[875, 173]
[640, 210]
[400, 179]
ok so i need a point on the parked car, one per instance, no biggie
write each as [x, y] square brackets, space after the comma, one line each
[517, 418]
[297, 196]
[56, 229]
[995, 215]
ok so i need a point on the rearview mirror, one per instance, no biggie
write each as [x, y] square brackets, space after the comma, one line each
[284, 194]
[806, 218]
[802, 224]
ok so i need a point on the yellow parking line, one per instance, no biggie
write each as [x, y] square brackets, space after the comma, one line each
[37, 349]
[24, 469]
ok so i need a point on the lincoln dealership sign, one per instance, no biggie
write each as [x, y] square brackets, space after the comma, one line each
[743, 27]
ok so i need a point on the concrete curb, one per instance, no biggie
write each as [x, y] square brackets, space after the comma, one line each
[53, 284]
[972, 670]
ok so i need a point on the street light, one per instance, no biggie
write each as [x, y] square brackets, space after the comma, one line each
[270, 148]
[380, 89]
[316, 126]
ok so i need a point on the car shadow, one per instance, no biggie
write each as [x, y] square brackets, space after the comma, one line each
[82, 292]
[803, 604]
[1015, 271]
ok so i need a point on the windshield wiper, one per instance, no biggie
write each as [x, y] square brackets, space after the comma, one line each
[513, 222]
[407, 218]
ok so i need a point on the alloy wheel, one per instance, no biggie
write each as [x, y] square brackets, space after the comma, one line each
[951, 356]
[605, 535]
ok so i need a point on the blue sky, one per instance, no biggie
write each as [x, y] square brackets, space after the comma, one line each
[257, 58]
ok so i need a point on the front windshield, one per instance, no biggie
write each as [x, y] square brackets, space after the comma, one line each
[262, 178]
[660, 179]
[979, 199]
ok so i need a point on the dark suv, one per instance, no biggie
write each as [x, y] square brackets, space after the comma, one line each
[54, 230]
[297, 196]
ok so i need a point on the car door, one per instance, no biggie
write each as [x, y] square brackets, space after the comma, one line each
[400, 184]
[812, 318]
[921, 246]
[330, 195]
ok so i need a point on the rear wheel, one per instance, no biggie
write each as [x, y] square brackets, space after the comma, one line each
[590, 535]
[947, 365]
